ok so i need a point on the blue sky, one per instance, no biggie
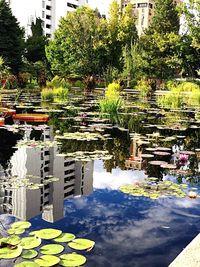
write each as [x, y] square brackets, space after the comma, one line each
[102, 5]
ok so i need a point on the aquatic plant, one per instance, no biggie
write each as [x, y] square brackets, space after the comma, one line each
[14, 247]
[47, 94]
[144, 87]
[57, 92]
[154, 190]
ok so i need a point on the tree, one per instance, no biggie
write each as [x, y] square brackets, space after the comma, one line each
[158, 46]
[35, 44]
[79, 46]
[11, 38]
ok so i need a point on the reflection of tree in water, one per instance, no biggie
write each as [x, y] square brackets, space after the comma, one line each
[8, 141]
[70, 146]
[118, 147]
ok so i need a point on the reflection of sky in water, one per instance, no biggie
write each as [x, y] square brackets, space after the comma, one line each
[129, 231]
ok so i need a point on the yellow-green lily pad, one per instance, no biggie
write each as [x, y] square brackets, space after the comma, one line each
[48, 233]
[21, 225]
[81, 244]
[72, 260]
[30, 242]
[51, 249]
[16, 231]
[11, 240]
[47, 261]
[65, 237]
[27, 264]
[7, 253]
[29, 254]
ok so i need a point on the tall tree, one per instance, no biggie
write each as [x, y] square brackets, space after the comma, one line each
[35, 44]
[158, 46]
[11, 38]
[80, 44]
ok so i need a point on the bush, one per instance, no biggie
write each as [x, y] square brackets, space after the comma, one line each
[57, 82]
[61, 92]
[79, 84]
[113, 91]
[23, 79]
[144, 87]
[51, 94]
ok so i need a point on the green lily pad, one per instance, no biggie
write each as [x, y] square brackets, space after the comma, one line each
[29, 254]
[66, 237]
[27, 264]
[7, 253]
[47, 261]
[21, 225]
[72, 260]
[30, 242]
[16, 231]
[11, 240]
[81, 244]
[33, 233]
[51, 249]
[48, 233]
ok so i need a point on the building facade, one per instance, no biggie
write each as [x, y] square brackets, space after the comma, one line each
[143, 10]
[50, 11]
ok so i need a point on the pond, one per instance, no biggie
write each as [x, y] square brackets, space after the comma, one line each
[128, 182]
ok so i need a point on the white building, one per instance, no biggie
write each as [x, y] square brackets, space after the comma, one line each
[50, 11]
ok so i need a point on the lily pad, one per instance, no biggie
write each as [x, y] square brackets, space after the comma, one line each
[81, 244]
[72, 260]
[51, 249]
[11, 240]
[29, 254]
[48, 233]
[65, 237]
[30, 242]
[27, 264]
[16, 231]
[47, 261]
[21, 225]
[7, 253]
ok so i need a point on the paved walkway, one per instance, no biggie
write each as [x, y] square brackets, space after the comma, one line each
[190, 256]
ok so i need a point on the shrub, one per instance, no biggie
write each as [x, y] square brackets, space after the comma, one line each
[60, 92]
[113, 91]
[47, 94]
[57, 82]
[79, 84]
[144, 87]
[23, 79]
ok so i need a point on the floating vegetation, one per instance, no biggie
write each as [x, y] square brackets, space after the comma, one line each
[154, 190]
[87, 155]
[86, 136]
[14, 247]
[36, 144]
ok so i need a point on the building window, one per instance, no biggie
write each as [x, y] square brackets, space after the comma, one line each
[72, 5]
[48, 26]
[48, 35]
[43, 14]
[48, 7]
[48, 17]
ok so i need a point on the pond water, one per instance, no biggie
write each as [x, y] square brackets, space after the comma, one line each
[73, 182]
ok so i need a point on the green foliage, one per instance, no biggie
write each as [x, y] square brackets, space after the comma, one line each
[51, 94]
[80, 44]
[11, 38]
[185, 93]
[47, 94]
[57, 82]
[35, 44]
[144, 87]
[112, 101]
[79, 84]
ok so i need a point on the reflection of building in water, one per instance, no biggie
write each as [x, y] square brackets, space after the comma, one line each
[75, 179]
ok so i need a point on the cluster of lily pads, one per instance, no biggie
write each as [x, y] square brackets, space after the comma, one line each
[15, 182]
[88, 156]
[81, 136]
[14, 247]
[38, 144]
[154, 190]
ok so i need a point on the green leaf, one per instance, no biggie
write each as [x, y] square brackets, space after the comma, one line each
[72, 260]
[65, 237]
[16, 231]
[21, 225]
[51, 249]
[11, 240]
[47, 261]
[81, 244]
[27, 264]
[29, 254]
[48, 233]
[7, 253]
[30, 242]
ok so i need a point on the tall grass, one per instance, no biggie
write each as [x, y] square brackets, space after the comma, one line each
[52, 94]
[112, 101]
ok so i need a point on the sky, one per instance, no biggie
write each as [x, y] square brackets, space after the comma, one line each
[102, 5]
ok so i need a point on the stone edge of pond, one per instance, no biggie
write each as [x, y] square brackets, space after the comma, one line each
[189, 256]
